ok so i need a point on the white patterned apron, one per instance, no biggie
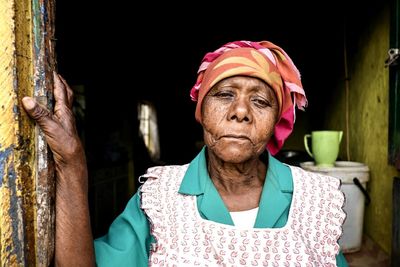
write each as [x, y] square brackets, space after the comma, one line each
[183, 238]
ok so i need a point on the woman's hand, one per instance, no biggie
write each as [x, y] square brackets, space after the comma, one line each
[59, 128]
[73, 237]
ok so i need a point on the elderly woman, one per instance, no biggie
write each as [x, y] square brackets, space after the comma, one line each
[234, 204]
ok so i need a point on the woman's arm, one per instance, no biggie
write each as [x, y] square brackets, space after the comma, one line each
[73, 236]
[128, 240]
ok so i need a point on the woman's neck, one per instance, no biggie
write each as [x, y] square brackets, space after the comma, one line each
[236, 178]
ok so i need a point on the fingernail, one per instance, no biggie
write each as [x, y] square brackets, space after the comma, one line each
[28, 102]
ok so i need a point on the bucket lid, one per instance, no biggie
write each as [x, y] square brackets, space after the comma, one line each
[341, 168]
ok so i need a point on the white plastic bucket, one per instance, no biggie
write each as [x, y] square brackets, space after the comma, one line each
[346, 171]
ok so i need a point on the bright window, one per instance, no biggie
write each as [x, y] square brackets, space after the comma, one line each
[148, 128]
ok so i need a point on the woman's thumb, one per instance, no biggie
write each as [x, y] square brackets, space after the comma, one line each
[34, 110]
[29, 103]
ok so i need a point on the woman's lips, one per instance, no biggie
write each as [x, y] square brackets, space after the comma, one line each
[233, 136]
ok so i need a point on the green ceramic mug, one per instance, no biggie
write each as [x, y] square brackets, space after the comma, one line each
[325, 146]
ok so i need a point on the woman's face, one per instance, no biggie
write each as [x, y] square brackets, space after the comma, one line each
[238, 117]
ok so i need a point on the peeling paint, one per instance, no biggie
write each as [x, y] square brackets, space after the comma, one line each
[4, 154]
[44, 60]
[26, 184]
[15, 215]
[36, 25]
[41, 147]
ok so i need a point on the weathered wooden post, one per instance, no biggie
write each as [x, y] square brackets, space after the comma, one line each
[26, 173]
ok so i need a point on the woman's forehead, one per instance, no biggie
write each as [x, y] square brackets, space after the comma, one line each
[241, 80]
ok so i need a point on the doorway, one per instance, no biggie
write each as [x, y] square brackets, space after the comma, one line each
[119, 60]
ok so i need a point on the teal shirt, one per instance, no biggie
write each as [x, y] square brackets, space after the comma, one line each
[128, 240]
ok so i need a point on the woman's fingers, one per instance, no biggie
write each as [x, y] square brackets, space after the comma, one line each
[59, 128]
[40, 114]
[60, 94]
[63, 104]
[44, 119]
[62, 141]
[63, 116]
[70, 94]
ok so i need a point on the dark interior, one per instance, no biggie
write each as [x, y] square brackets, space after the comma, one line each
[123, 55]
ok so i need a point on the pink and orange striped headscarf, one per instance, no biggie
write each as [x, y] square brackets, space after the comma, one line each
[263, 60]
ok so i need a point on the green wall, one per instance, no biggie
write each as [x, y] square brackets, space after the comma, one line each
[368, 118]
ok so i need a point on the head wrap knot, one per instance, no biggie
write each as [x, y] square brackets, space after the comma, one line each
[263, 60]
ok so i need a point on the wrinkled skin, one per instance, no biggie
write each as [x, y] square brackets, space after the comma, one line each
[74, 241]
[238, 117]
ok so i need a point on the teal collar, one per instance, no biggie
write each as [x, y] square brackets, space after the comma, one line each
[275, 196]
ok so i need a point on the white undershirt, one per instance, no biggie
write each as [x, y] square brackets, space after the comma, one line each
[244, 219]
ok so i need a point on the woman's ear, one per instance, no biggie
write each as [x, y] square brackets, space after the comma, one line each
[202, 114]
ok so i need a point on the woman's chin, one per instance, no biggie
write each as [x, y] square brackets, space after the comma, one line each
[235, 154]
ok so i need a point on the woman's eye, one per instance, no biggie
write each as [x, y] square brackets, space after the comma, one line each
[261, 102]
[224, 94]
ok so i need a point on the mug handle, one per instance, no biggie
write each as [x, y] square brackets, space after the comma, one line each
[306, 136]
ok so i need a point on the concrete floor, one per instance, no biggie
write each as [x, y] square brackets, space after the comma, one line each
[370, 255]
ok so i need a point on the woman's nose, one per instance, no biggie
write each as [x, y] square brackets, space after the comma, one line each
[240, 111]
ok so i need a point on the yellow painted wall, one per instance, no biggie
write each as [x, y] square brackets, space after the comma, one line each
[368, 121]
